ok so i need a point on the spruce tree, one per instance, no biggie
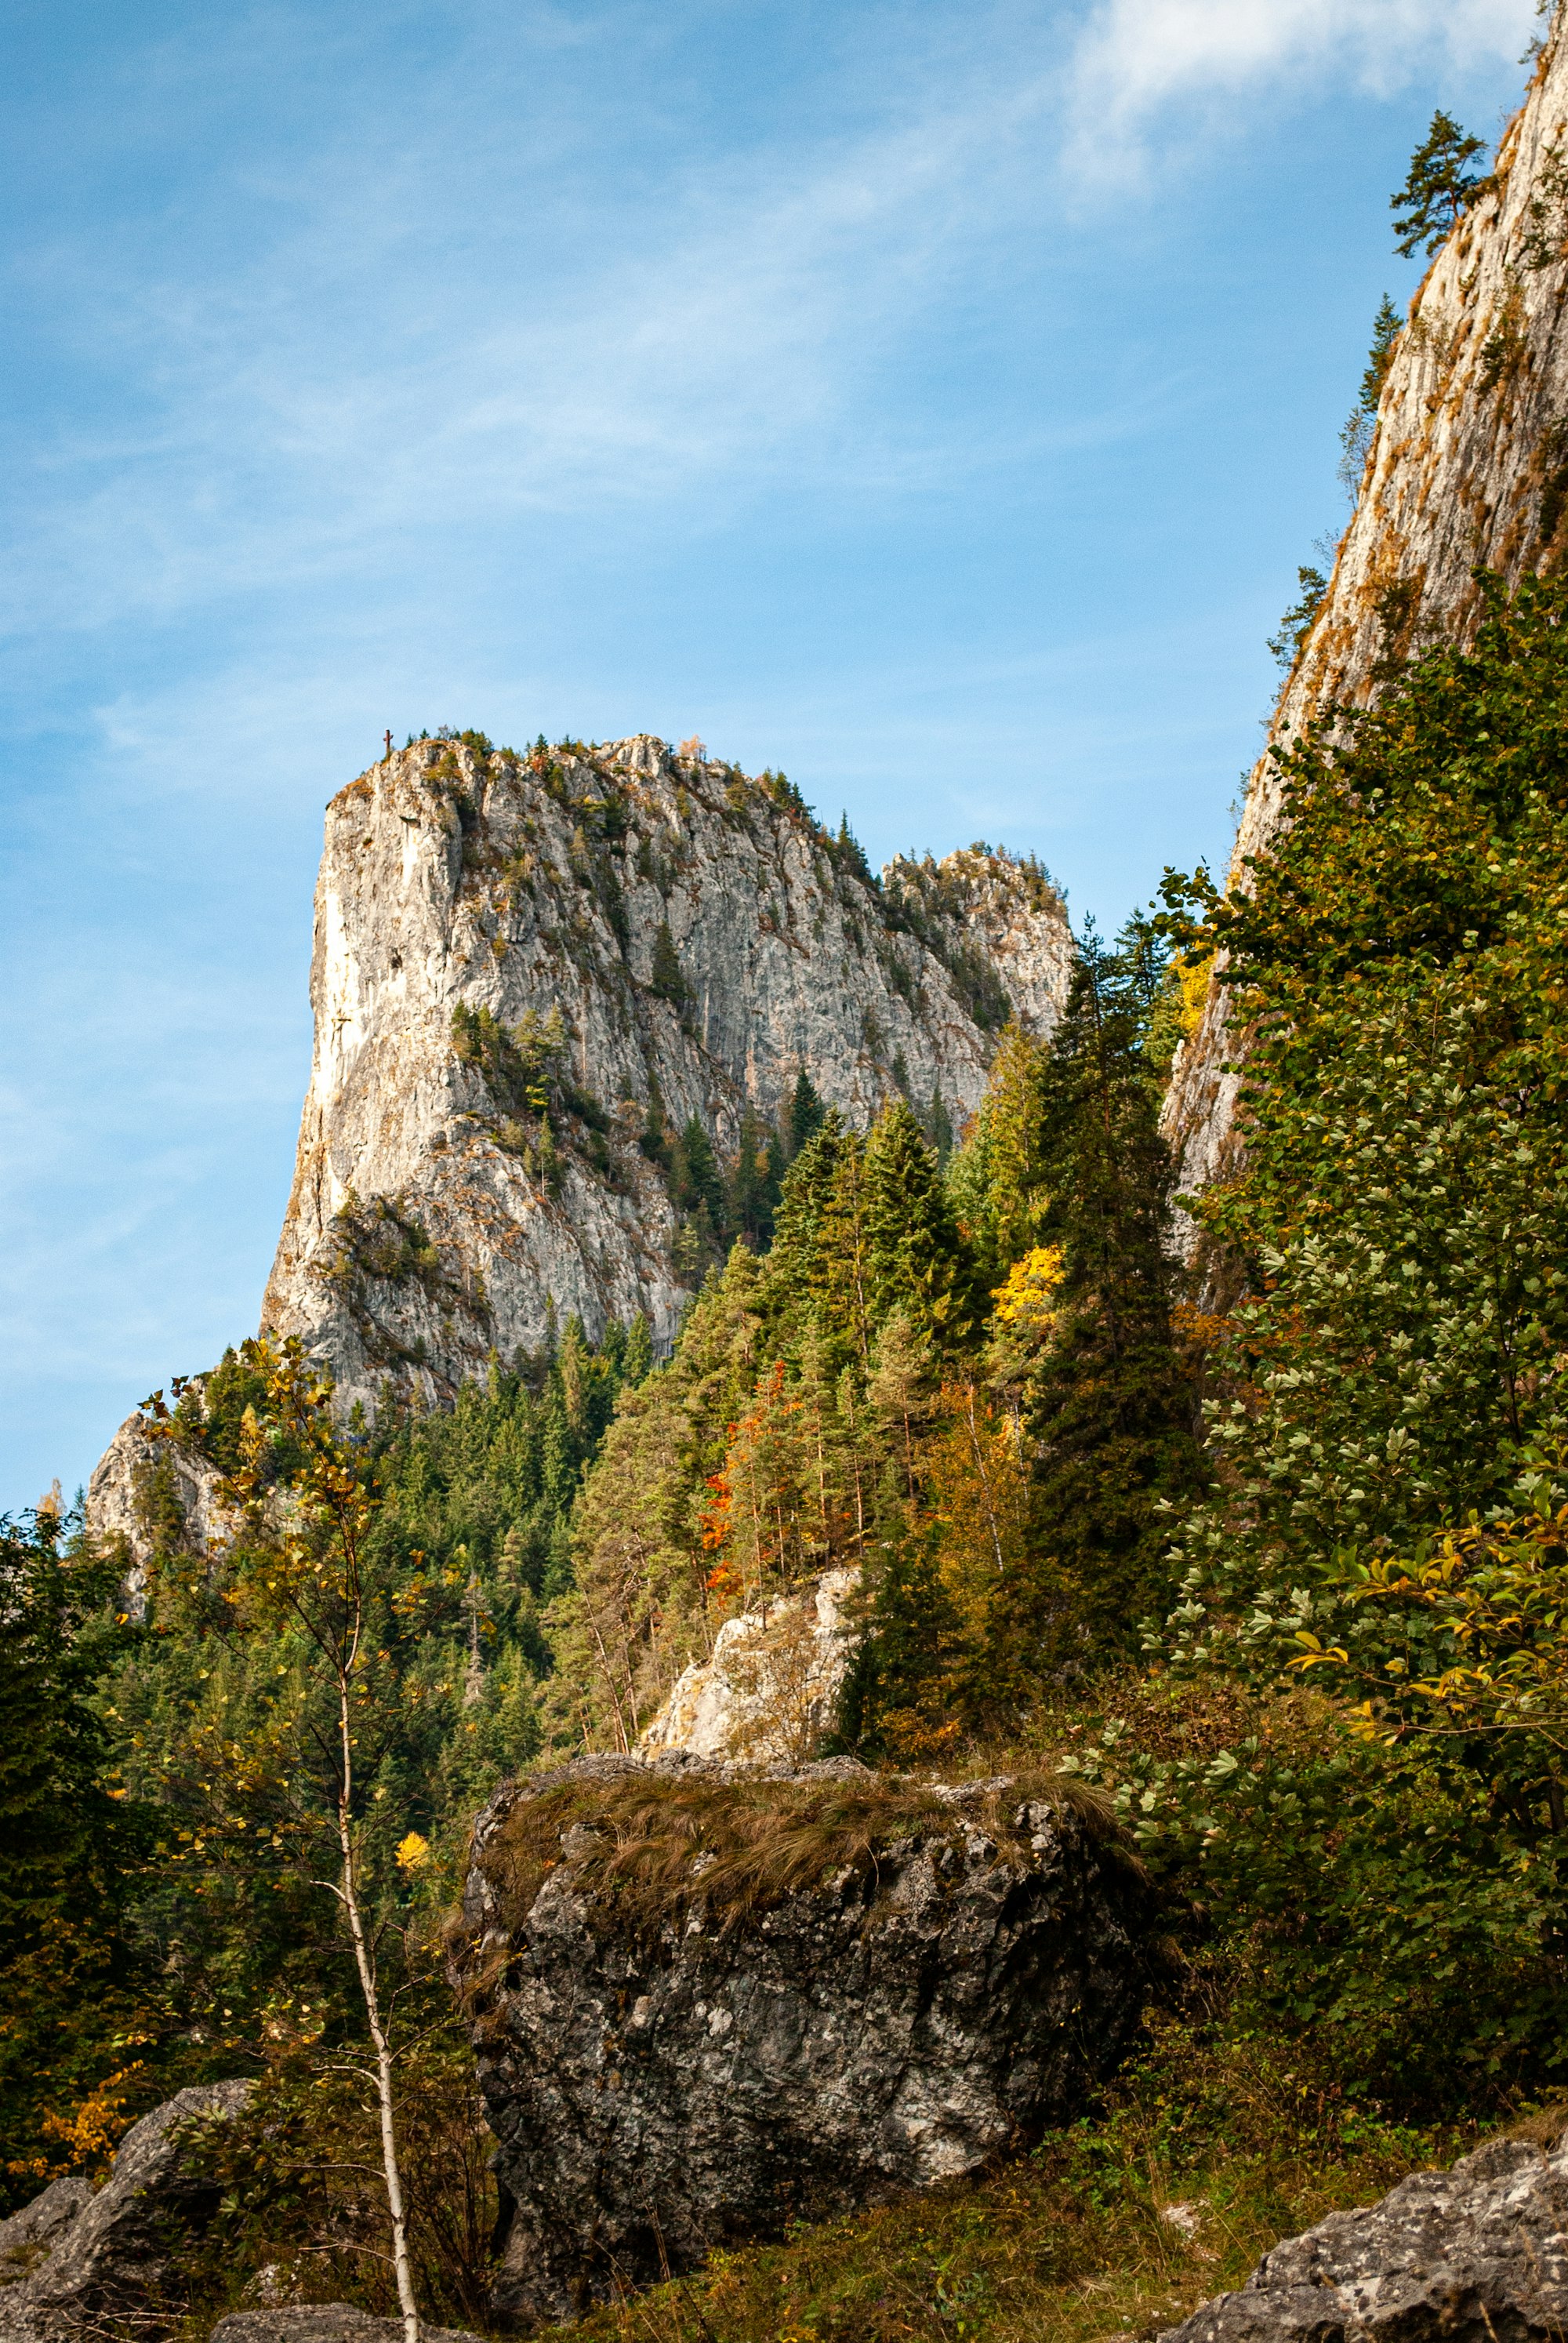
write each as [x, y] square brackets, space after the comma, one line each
[918, 1259]
[1110, 1405]
[666, 979]
[69, 1848]
[753, 1184]
[803, 1115]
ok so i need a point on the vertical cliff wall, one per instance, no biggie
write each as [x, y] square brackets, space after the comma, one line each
[1468, 467]
[665, 935]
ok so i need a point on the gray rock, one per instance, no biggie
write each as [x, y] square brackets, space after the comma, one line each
[324, 2322]
[1475, 2254]
[35, 2231]
[114, 2258]
[663, 2079]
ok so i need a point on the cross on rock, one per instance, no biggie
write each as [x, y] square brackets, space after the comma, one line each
[388, 739]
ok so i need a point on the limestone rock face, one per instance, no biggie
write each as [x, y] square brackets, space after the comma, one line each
[1468, 467]
[769, 1691]
[666, 2077]
[701, 941]
[122, 1486]
[1469, 2256]
[110, 2261]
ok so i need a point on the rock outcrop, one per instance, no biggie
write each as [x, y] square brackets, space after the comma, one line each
[706, 2001]
[769, 1692]
[1467, 468]
[144, 1491]
[74, 2265]
[669, 939]
[1475, 2254]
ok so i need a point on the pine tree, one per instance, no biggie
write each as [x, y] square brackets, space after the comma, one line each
[799, 1274]
[696, 1181]
[1438, 187]
[997, 1178]
[1110, 1405]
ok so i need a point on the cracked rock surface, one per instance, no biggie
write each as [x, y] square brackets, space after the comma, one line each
[663, 2084]
[1474, 2254]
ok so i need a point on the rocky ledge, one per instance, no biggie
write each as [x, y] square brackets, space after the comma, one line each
[1475, 2254]
[706, 2001]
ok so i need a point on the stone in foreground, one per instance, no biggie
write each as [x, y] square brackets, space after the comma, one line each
[1475, 2254]
[707, 2002]
[110, 2263]
[325, 2322]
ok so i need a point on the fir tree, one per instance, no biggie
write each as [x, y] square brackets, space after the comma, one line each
[1110, 1405]
[804, 1115]
[918, 1259]
[68, 1848]
[753, 1184]
[1386, 328]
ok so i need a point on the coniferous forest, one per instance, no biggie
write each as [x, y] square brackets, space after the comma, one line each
[1249, 1510]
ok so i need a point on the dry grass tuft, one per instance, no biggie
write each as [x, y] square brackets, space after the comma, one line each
[662, 1848]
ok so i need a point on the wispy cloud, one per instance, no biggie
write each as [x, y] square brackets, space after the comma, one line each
[1140, 66]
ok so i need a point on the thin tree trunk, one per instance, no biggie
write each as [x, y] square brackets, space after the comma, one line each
[394, 2178]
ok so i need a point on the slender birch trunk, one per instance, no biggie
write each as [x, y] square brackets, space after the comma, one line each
[349, 1892]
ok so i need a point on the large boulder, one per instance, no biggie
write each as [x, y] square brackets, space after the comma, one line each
[113, 2258]
[706, 2001]
[1475, 2254]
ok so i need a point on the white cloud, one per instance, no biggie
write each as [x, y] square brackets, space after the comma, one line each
[1137, 59]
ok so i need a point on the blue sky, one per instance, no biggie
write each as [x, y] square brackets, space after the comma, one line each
[934, 400]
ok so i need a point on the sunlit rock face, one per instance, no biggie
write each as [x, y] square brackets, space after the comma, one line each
[1468, 467]
[701, 942]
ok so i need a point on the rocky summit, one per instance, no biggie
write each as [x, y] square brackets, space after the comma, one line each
[705, 2002]
[520, 960]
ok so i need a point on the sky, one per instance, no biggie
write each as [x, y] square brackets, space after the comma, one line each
[933, 400]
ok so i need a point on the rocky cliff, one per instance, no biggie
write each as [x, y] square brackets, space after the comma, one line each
[1467, 468]
[522, 962]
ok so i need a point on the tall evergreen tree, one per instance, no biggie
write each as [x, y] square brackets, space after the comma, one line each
[754, 1181]
[803, 1115]
[1110, 1405]
[665, 978]
[918, 1258]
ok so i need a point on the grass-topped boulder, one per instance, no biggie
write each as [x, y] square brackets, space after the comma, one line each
[708, 2002]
